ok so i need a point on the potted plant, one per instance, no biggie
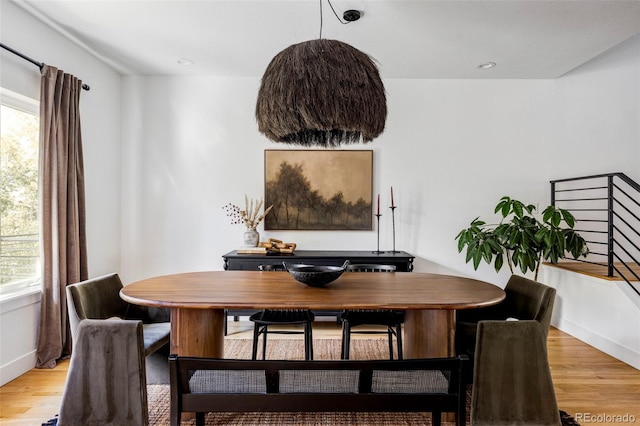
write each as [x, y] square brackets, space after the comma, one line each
[521, 238]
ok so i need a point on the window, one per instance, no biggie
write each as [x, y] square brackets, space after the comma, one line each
[19, 219]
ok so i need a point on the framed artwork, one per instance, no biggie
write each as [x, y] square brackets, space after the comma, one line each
[318, 189]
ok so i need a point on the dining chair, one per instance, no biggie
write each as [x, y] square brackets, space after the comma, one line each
[512, 381]
[391, 319]
[99, 299]
[281, 317]
[235, 314]
[106, 382]
[525, 299]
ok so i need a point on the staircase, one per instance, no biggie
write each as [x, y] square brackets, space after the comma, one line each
[607, 212]
[598, 298]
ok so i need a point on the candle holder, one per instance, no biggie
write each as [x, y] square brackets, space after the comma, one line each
[393, 224]
[378, 218]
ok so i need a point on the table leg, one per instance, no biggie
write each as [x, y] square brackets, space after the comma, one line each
[197, 332]
[429, 333]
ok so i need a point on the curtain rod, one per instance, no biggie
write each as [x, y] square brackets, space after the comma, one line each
[33, 61]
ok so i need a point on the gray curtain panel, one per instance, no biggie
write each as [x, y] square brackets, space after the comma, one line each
[62, 207]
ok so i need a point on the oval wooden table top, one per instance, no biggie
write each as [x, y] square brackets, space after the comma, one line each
[352, 290]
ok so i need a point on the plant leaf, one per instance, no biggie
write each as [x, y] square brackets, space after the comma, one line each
[497, 248]
[477, 256]
[486, 253]
[498, 262]
[477, 222]
[568, 218]
[470, 253]
[506, 209]
[518, 208]
[515, 257]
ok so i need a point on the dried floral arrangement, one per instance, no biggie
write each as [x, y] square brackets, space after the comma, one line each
[250, 216]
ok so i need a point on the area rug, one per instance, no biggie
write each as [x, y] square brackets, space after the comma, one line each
[158, 395]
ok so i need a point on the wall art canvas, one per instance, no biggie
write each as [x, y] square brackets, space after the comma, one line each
[318, 189]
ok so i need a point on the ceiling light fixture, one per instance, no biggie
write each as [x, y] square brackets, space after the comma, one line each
[185, 61]
[351, 15]
[323, 93]
[487, 65]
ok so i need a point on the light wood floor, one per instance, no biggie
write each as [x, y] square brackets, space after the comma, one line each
[587, 382]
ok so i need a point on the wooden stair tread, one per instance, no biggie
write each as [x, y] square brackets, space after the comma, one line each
[597, 270]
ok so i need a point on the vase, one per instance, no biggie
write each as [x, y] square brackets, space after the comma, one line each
[251, 238]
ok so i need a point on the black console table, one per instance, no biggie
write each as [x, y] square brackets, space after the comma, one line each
[249, 262]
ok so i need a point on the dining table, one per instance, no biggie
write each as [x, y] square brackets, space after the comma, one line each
[198, 300]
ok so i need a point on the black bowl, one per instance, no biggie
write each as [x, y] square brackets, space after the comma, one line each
[313, 275]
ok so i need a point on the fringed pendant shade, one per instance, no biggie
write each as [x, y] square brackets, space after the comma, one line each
[323, 93]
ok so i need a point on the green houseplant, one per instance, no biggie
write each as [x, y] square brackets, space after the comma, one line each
[522, 239]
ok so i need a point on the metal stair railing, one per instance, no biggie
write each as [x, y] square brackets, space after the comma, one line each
[607, 209]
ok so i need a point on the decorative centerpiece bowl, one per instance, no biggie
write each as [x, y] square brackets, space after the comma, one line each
[315, 276]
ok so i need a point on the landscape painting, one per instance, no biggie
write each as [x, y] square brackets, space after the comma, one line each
[318, 190]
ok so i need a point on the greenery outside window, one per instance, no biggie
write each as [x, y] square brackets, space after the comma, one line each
[19, 218]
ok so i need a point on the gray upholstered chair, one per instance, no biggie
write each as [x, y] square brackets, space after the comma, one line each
[512, 382]
[99, 298]
[392, 320]
[525, 300]
[106, 382]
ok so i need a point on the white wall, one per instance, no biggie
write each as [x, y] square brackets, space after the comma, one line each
[599, 312]
[100, 117]
[451, 149]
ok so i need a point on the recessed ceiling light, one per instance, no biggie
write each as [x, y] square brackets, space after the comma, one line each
[185, 61]
[487, 65]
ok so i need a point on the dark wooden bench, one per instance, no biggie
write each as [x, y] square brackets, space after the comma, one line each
[204, 385]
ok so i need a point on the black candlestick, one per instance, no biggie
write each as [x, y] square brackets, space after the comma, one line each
[393, 224]
[378, 217]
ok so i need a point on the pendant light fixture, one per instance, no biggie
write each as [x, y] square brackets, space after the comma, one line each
[322, 93]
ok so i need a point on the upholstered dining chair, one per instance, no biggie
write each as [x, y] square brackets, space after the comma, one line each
[391, 319]
[512, 382]
[99, 298]
[525, 299]
[106, 382]
[278, 317]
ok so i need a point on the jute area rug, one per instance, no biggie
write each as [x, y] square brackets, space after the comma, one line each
[158, 395]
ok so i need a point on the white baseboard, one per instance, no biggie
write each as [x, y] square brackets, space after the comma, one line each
[17, 367]
[600, 342]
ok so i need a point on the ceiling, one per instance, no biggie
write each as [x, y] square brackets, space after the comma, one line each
[409, 39]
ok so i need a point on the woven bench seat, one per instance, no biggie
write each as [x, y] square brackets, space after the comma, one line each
[204, 385]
